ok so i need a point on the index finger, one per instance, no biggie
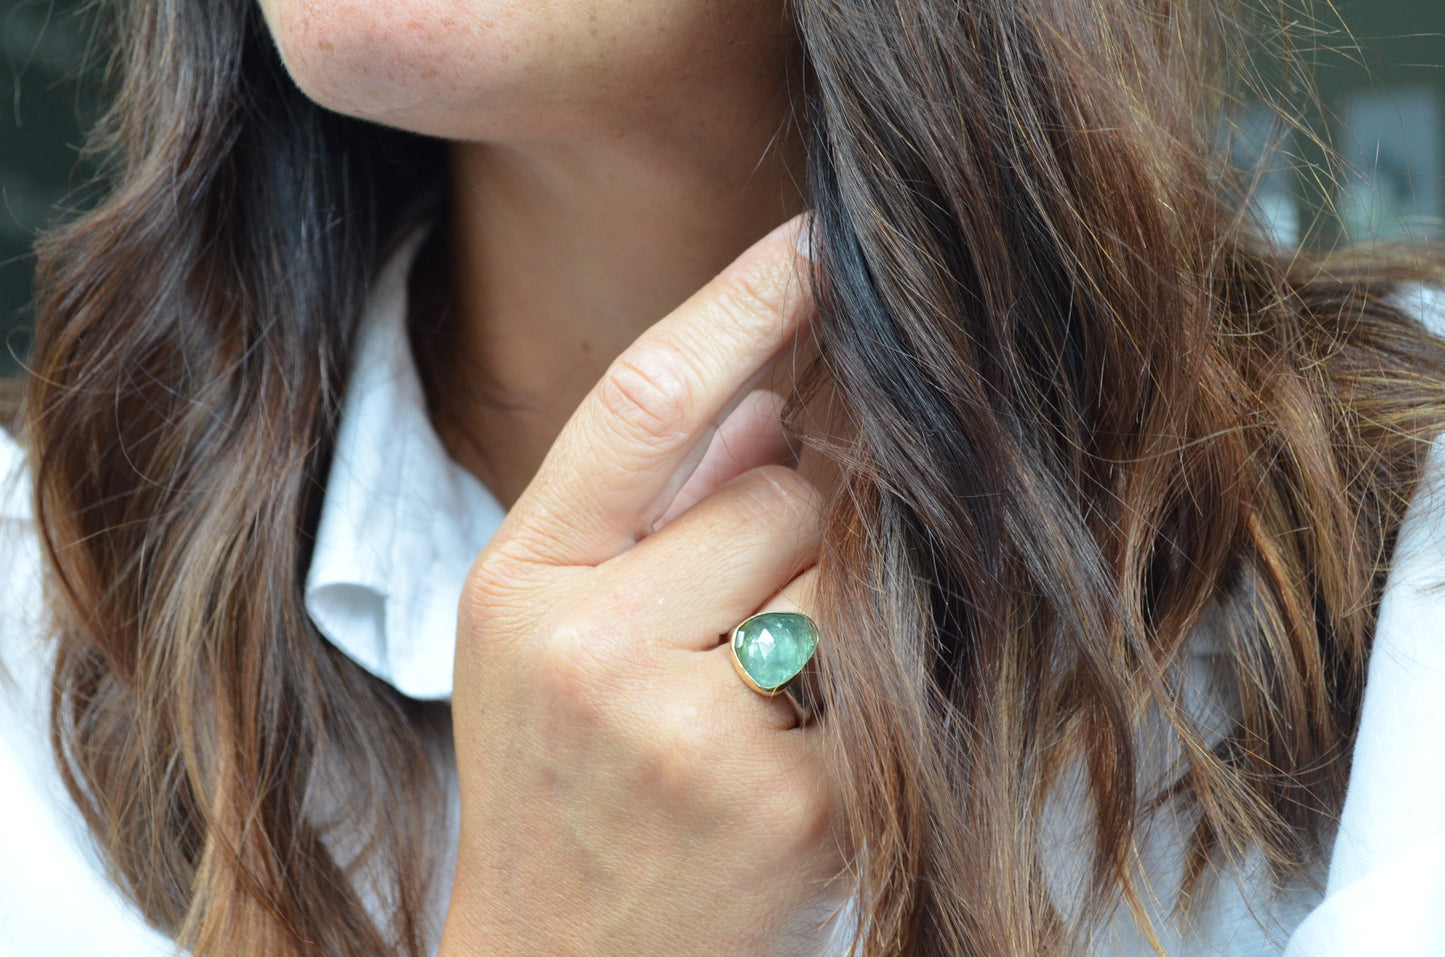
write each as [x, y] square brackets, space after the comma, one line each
[629, 447]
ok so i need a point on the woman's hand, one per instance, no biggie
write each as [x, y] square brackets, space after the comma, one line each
[623, 792]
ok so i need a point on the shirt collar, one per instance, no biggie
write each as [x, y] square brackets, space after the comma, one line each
[400, 521]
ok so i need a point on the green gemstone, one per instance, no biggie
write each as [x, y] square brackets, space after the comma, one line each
[773, 647]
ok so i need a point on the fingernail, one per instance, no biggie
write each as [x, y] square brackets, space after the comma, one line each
[803, 236]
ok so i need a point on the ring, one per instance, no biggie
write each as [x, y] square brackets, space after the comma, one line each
[770, 651]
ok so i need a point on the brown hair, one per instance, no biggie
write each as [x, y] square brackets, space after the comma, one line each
[1096, 413]
[191, 349]
[1088, 410]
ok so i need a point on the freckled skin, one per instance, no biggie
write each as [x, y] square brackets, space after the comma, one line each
[607, 158]
[531, 69]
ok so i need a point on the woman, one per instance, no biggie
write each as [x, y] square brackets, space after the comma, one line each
[1094, 513]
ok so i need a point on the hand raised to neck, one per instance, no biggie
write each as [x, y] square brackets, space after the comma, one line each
[562, 254]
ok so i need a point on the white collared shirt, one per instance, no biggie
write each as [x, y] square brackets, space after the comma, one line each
[400, 526]
[401, 521]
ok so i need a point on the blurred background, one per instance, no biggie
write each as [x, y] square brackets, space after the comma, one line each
[43, 105]
[1381, 85]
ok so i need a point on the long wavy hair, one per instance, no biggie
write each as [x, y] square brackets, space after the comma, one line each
[1088, 416]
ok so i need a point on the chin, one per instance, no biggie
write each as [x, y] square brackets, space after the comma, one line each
[431, 66]
[519, 69]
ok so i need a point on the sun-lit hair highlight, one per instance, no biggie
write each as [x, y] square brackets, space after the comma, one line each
[1086, 417]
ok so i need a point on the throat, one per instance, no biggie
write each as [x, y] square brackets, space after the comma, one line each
[555, 262]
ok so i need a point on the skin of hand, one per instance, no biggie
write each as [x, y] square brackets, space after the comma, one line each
[622, 791]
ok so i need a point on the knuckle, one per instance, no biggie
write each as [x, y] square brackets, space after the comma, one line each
[496, 578]
[778, 495]
[798, 813]
[585, 656]
[669, 761]
[807, 812]
[649, 391]
[754, 294]
[568, 676]
[484, 595]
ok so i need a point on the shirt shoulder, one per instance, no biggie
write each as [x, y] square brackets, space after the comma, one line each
[1387, 869]
[20, 584]
[14, 480]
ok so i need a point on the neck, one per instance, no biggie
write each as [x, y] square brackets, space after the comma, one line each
[562, 255]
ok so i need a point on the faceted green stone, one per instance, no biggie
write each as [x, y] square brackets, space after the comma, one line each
[773, 647]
